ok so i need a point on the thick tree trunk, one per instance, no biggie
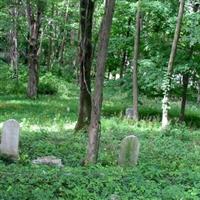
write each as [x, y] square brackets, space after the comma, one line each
[34, 44]
[185, 81]
[86, 12]
[167, 84]
[13, 41]
[135, 64]
[33, 72]
[94, 128]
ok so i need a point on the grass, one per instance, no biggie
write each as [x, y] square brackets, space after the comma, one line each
[169, 162]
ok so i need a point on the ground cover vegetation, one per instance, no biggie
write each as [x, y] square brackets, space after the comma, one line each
[69, 69]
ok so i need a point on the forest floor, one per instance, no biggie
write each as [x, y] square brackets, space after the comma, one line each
[169, 162]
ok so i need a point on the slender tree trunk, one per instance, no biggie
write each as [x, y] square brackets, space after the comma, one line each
[57, 36]
[86, 12]
[198, 95]
[121, 73]
[72, 37]
[33, 60]
[50, 45]
[25, 53]
[55, 44]
[185, 81]
[94, 128]
[13, 40]
[63, 42]
[135, 64]
[167, 84]
[124, 55]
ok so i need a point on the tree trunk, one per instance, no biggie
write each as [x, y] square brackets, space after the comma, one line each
[13, 41]
[135, 64]
[50, 45]
[198, 95]
[124, 55]
[86, 13]
[167, 84]
[94, 128]
[184, 96]
[33, 59]
[63, 42]
[185, 82]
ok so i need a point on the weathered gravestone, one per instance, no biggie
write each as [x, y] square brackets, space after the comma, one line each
[129, 151]
[10, 139]
[129, 113]
[114, 197]
[48, 160]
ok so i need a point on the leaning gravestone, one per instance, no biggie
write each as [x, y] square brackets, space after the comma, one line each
[129, 113]
[10, 139]
[129, 151]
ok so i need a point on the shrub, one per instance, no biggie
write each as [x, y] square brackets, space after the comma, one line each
[48, 85]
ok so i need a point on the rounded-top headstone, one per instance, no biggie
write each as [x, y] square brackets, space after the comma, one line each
[129, 151]
[10, 138]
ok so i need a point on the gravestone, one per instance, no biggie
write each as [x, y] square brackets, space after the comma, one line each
[10, 139]
[129, 113]
[114, 197]
[48, 160]
[129, 151]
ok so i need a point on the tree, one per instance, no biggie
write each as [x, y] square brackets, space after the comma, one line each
[34, 14]
[167, 83]
[186, 74]
[50, 54]
[135, 63]
[14, 39]
[185, 80]
[86, 15]
[94, 128]
[125, 52]
[63, 42]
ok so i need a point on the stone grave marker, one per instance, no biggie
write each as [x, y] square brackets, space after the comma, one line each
[129, 151]
[48, 160]
[129, 113]
[10, 139]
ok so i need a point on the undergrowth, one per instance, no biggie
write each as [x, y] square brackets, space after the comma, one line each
[169, 162]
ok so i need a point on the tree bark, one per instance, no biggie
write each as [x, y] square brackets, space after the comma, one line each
[167, 84]
[34, 21]
[198, 95]
[63, 42]
[50, 43]
[86, 13]
[14, 41]
[124, 55]
[185, 81]
[95, 127]
[135, 64]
